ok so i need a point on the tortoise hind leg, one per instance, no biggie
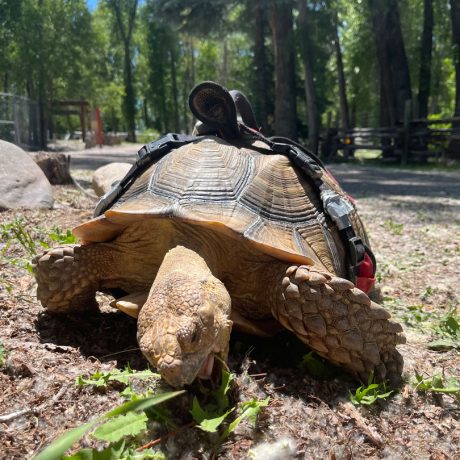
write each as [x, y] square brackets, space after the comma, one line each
[341, 323]
[67, 278]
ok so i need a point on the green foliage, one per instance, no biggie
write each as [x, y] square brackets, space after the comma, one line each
[448, 329]
[102, 379]
[210, 414]
[2, 355]
[370, 394]
[113, 430]
[437, 384]
[416, 315]
[20, 240]
[315, 366]
[393, 227]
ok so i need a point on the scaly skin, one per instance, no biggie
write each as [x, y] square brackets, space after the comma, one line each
[340, 322]
[186, 316]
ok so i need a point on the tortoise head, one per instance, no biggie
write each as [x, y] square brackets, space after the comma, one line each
[183, 325]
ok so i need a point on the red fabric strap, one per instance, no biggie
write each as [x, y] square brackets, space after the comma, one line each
[365, 279]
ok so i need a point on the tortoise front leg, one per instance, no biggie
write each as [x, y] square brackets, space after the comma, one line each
[340, 322]
[68, 277]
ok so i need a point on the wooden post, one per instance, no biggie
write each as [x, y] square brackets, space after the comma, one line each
[83, 121]
[407, 117]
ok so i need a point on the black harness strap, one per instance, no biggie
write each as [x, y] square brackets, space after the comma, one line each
[145, 157]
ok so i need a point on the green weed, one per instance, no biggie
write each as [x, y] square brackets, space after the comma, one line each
[2, 355]
[315, 366]
[437, 384]
[125, 426]
[102, 379]
[25, 244]
[416, 315]
[368, 395]
[127, 420]
[393, 227]
[211, 413]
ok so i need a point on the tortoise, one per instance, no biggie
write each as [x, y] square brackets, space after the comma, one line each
[213, 235]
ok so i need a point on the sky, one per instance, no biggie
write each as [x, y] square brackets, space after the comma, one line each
[91, 4]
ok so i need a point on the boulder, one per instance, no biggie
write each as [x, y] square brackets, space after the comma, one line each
[106, 175]
[22, 183]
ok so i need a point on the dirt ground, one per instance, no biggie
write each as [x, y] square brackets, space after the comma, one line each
[413, 219]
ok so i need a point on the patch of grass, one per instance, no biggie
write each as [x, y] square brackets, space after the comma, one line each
[2, 355]
[416, 315]
[18, 237]
[125, 428]
[210, 413]
[393, 227]
[370, 394]
[427, 293]
[102, 379]
[437, 383]
[448, 329]
[125, 421]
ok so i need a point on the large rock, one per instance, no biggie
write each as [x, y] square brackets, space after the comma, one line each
[22, 183]
[106, 175]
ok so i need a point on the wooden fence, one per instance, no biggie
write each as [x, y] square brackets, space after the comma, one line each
[412, 140]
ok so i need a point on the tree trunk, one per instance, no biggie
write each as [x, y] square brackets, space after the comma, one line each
[285, 91]
[394, 69]
[260, 68]
[175, 97]
[310, 92]
[56, 166]
[426, 47]
[455, 16]
[126, 33]
[344, 112]
[454, 144]
[129, 99]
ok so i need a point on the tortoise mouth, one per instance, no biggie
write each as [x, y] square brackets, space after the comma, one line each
[207, 367]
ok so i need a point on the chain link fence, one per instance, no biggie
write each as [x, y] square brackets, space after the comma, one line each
[19, 121]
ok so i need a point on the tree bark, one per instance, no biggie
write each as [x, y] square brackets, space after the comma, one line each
[56, 166]
[344, 112]
[261, 90]
[175, 97]
[126, 33]
[426, 47]
[285, 92]
[310, 92]
[454, 144]
[394, 69]
[455, 17]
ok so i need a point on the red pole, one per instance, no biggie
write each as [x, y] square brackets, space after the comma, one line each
[99, 127]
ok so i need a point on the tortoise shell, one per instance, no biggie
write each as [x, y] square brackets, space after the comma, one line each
[237, 191]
